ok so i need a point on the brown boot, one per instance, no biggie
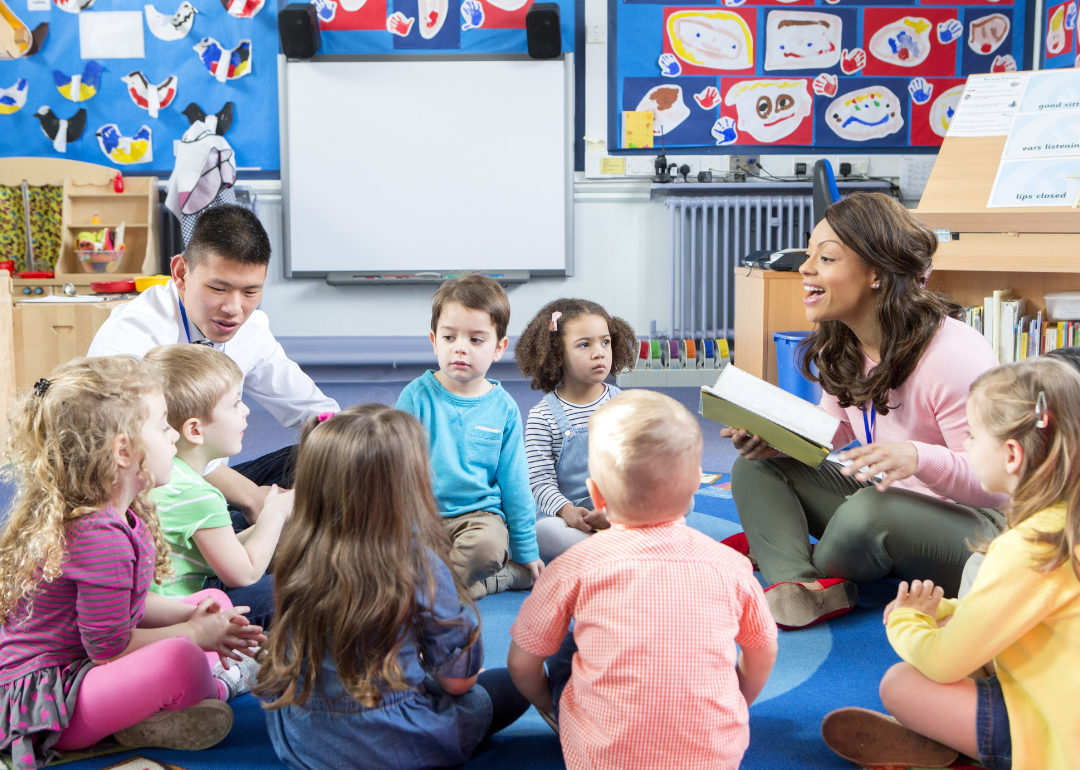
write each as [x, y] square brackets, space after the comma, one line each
[870, 739]
[199, 727]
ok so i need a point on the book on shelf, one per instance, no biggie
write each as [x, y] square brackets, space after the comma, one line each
[786, 422]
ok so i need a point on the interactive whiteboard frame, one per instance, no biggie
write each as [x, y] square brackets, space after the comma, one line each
[556, 267]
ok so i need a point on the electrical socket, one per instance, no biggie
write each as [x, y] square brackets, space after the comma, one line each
[745, 163]
[809, 160]
[860, 164]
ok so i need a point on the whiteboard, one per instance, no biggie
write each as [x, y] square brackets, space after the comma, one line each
[401, 163]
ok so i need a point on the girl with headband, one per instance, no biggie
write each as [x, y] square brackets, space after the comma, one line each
[568, 349]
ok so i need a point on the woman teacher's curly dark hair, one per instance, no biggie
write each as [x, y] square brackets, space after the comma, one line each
[892, 241]
[539, 350]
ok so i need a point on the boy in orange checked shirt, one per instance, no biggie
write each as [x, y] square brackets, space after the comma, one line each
[649, 677]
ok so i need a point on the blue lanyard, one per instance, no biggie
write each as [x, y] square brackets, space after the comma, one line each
[869, 424]
[183, 315]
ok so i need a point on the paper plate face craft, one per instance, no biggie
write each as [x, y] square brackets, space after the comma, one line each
[431, 16]
[73, 6]
[123, 149]
[79, 88]
[61, 132]
[166, 27]
[869, 113]
[12, 99]
[148, 96]
[242, 9]
[802, 40]
[667, 106]
[769, 110]
[905, 43]
[224, 63]
[714, 39]
[16, 39]
[351, 5]
[943, 109]
[985, 35]
[1055, 32]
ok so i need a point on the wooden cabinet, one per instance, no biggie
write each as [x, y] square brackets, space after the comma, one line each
[766, 301]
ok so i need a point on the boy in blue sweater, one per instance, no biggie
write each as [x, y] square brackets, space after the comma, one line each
[480, 474]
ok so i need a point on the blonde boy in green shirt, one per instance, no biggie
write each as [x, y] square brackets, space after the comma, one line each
[203, 391]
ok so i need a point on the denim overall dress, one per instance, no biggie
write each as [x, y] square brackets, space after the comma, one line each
[572, 467]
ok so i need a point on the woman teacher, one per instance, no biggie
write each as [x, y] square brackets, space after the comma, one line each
[895, 365]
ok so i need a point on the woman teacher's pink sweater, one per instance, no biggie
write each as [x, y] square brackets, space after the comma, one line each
[930, 412]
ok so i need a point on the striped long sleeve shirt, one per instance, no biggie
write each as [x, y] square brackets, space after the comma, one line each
[91, 608]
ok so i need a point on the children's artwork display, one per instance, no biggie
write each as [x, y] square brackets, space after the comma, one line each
[121, 62]
[839, 74]
[1059, 43]
[123, 106]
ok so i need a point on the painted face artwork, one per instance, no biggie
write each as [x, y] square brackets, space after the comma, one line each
[667, 106]
[352, 5]
[80, 87]
[986, 34]
[508, 5]
[715, 39]
[224, 63]
[1055, 32]
[242, 9]
[12, 99]
[148, 96]
[869, 113]
[16, 39]
[802, 40]
[125, 150]
[769, 110]
[166, 27]
[432, 15]
[905, 43]
[943, 109]
[61, 132]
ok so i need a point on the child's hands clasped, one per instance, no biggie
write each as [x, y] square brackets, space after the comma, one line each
[924, 596]
[225, 632]
[587, 521]
[596, 520]
[279, 502]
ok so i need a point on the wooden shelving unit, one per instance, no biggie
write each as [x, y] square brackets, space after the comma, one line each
[136, 207]
[1033, 251]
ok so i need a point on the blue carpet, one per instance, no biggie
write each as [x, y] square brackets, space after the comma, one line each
[836, 664]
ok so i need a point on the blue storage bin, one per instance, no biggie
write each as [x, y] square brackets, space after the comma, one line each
[788, 375]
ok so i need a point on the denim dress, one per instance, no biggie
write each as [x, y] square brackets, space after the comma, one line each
[415, 728]
[572, 467]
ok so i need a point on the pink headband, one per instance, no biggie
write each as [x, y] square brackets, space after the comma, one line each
[555, 321]
[324, 416]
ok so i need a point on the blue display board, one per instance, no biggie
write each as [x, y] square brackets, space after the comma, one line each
[28, 83]
[848, 75]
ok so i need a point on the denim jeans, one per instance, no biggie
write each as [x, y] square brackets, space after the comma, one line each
[992, 725]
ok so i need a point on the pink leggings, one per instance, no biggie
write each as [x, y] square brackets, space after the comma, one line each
[171, 674]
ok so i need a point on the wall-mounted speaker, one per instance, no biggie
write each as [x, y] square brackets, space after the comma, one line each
[543, 31]
[298, 25]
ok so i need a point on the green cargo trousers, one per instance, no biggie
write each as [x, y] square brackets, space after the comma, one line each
[863, 534]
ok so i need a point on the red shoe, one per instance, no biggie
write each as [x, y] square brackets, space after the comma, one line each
[740, 544]
[795, 606]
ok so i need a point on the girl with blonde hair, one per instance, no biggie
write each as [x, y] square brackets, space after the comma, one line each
[85, 650]
[1023, 611]
[374, 660]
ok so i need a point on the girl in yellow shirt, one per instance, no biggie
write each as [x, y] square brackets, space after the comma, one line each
[1023, 611]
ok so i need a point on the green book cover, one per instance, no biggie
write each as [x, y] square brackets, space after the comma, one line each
[778, 437]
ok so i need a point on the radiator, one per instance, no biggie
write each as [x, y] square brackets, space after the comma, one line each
[709, 238]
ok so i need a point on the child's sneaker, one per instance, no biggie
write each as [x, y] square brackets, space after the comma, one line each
[238, 677]
[868, 738]
[199, 727]
[512, 577]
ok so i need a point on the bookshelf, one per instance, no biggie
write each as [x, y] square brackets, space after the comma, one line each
[1033, 251]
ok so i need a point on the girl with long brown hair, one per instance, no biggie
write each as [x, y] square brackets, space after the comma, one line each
[373, 661]
[1023, 611]
[85, 650]
[895, 366]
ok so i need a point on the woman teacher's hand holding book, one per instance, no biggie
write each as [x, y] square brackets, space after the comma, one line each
[750, 447]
